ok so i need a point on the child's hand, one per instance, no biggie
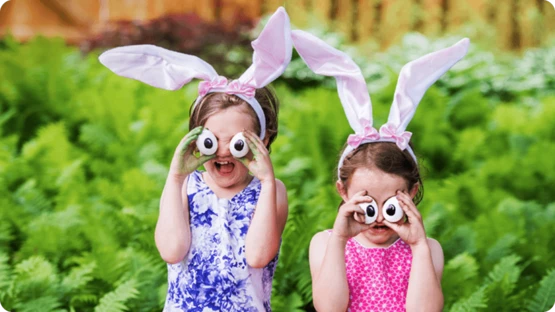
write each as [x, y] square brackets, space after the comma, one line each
[260, 165]
[184, 161]
[411, 232]
[350, 218]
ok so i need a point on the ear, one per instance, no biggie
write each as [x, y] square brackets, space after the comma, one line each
[414, 190]
[341, 190]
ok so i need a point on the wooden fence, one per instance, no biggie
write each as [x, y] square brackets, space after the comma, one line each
[511, 24]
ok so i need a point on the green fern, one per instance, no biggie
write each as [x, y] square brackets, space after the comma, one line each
[78, 277]
[545, 296]
[475, 302]
[115, 301]
[5, 273]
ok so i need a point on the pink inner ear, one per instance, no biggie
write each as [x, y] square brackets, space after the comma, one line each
[325, 60]
[272, 51]
[417, 76]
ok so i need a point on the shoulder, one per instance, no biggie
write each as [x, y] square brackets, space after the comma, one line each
[317, 248]
[281, 192]
[437, 256]
[319, 241]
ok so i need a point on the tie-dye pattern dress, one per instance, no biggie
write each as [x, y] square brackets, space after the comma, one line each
[215, 276]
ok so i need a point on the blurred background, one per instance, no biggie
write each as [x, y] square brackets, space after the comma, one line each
[84, 153]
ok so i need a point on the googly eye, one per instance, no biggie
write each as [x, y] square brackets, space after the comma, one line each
[207, 143]
[370, 212]
[392, 211]
[238, 146]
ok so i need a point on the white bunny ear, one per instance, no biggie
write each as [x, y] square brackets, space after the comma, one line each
[272, 51]
[323, 59]
[156, 66]
[416, 77]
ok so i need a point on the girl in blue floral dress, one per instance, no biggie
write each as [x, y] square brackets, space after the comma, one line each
[219, 230]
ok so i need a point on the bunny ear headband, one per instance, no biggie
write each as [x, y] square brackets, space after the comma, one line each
[171, 70]
[415, 78]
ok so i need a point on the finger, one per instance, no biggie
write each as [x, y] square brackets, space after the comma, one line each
[245, 161]
[360, 217]
[359, 199]
[253, 148]
[188, 139]
[254, 139]
[405, 198]
[204, 158]
[411, 214]
[394, 226]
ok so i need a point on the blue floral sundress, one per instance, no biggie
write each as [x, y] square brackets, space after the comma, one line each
[215, 276]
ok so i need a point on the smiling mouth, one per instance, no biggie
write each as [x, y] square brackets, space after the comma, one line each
[381, 227]
[224, 167]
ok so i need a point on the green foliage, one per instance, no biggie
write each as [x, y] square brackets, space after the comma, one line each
[84, 155]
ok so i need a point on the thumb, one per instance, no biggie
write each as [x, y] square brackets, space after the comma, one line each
[245, 161]
[394, 226]
[204, 158]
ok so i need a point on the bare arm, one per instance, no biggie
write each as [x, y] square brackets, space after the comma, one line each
[330, 290]
[424, 292]
[264, 234]
[173, 232]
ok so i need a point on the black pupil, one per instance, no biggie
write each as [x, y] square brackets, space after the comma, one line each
[239, 145]
[390, 210]
[208, 143]
[370, 211]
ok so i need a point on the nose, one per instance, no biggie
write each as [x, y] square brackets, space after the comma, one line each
[380, 217]
[223, 149]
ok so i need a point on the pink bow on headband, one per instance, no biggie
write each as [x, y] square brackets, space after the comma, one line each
[368, 133]
[389, 131]
[220, 83]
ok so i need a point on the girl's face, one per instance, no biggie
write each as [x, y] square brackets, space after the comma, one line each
[224, 170]
[380, 186]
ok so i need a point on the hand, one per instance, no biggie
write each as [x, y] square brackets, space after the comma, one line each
[412, 231]
[260, 165]
[350, 218]
[184, 161]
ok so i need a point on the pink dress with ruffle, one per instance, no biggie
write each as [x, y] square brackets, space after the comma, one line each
[378, 277]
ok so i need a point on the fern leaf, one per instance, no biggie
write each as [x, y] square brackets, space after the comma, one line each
[505, 274]
[78, 277]
[5, 273]
[115, 301]
[473, 302]
[47, 304]
[545, 297]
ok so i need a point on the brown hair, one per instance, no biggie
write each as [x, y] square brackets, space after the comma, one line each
[217, 101]
[387, 157]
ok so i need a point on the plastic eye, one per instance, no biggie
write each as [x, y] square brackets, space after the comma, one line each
[370, 211]
[392, 211]
[207, 143]
[238, 146]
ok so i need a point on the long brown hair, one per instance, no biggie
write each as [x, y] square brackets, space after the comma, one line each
[387, 157]
[217, 101]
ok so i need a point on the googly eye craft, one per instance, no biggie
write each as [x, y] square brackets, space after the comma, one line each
[392, 211]
[370, 212]
[207, 143]
[238, 146]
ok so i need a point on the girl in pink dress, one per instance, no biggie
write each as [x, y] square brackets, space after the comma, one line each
[377, 256]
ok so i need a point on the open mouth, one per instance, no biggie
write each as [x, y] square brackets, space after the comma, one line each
[380, 227]
[224, 167]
